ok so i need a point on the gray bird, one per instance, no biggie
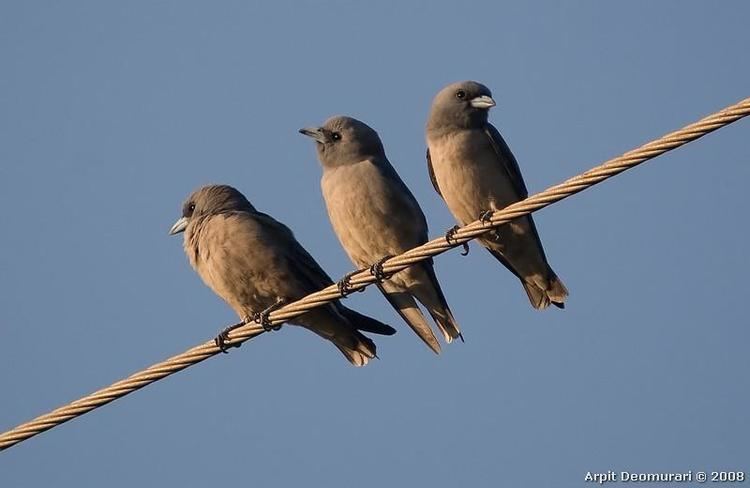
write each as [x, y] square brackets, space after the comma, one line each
[473, 170]
[374, 216]
[254, 263]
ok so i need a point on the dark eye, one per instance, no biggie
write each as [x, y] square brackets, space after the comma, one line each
[460, 94]
[336, 136]
[190, 210]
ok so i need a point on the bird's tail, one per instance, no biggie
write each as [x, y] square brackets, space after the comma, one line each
[408, 309]
[342, 326]
[357, 348]
[542, 292]
[447, 324]
[431, 296]
[365, 323]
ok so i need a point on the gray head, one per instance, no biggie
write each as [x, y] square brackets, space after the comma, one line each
[344, 140]
[210, 200]
[462, 105]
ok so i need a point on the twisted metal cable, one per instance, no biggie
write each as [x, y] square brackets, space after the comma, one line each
[363, 278]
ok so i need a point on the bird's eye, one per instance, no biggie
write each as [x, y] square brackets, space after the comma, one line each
[336, 136]
[191, 208]
[460, 94]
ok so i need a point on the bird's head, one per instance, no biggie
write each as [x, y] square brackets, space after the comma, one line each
[461, 105]
[344, 140]
[210, 200]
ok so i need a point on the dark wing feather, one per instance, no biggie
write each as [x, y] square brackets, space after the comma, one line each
[507, 160]
[306, 269]
[402, 198]
[432, 173]
[510, 165]
[299, 260]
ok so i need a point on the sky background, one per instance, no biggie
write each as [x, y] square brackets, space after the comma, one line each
[111, 113]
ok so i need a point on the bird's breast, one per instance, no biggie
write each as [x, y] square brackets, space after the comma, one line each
[361, 209]
[470, 176]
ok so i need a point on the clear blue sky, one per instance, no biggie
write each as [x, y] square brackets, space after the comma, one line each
[112, 112]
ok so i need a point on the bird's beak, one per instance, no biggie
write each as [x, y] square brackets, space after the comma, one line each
[179, 226]
[482, 102]
[314, 132]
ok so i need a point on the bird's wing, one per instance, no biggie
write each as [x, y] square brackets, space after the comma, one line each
[506, 160]
[300, 262]
[403, 201]
[432, 173]
[510, 166]
[308, 271]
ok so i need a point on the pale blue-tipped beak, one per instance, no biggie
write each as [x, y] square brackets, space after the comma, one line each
[482, 102]
[179, 226]
[315, 133]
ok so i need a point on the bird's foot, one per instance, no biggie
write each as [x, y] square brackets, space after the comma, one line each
[377, 269]
[345, 284]
[262, 317]
[450, 236]
[486, 216]
[221, 339]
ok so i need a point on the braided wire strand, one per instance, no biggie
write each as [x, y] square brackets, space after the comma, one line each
[364, 277]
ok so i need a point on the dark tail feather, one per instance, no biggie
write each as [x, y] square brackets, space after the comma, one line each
[338, 324]
[537, 296]
[440, 311]
[541, 294]
[554, 293]
[360, 352]
[403, 303]
[365, 323]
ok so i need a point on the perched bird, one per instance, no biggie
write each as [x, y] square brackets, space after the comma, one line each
[473, 170]
[254, 263]
[375, 216]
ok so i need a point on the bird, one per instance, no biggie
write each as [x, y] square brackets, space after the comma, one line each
[472, 168]
[255, 264]
[375, 216]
